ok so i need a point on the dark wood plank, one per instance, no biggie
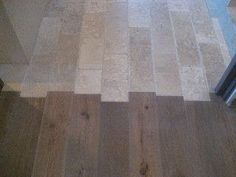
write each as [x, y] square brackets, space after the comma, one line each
[50, 160]
[216, 148]
[176, 138]
[83, 137]
[114, 141]
[19, 141]
[145, 157]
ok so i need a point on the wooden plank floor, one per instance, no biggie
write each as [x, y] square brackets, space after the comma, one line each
[69, 135]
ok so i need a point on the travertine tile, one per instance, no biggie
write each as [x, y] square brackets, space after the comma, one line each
[213, 62]
[12, 86]
[92, 41]
[12, 72]
[48, 36]
[168, 84]
[166, 63]
[223, 45]
[177, 5]
[163, 44]
[88, 81]
[139, 14]
[115, 78]
[201, 21]
[72, 18]
[93, 6]
[116, 28]
[186, 42]
[141, 64]
[34, 89]
[194, 85]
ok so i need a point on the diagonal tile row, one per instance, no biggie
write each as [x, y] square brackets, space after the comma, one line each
[115, 47]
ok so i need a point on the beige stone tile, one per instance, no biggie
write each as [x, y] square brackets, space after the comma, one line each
[141, 64]
[166, 63]
[55, 8]
[168, 84]
[12, 86]
[194, 85]
[12, 72]
[72, 17]
[93, 6]
[116, 28]
[201, 21]
[163, 43]
[48, 36]
[92, 41]
[185, 38]
[177, 5]
[223, 45]
[88, 81]
[213, 62]
[115, 78]
[34, 89]
[139, 14]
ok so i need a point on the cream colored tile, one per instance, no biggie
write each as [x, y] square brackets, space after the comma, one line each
[201, 21]
[92, 42]
[115, 78]
[116, 30]
[213, 62]
[93, 6]
[223, 45]
[88, 82]
[48, 36]
[168, 84]
[139, 14]
[194, 85]
[166, 63]
[72, 18]
[12, 72]
[163, 43]
[185, 38]
[141, 65]
[177, 5]
[33, 89]
[12, 86]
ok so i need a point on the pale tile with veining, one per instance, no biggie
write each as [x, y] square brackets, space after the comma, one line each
[194, 84]
[185, 38]
[88, 81]
[115, 78]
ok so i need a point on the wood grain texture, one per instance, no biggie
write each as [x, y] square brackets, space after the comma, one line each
[49, 159]
[114, 141]
[20, 135]
[83, 136]
[175, 137]
[215, 132]
[144, 151]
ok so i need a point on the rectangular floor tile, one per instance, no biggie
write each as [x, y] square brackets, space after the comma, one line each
[213, 62]
[139, 14]
[177, 5]
[186, 41]
[161, 30]
[115, 78]
[194, 84]
[48, 36]
[141, 64]
[88, 81]
[116, 29]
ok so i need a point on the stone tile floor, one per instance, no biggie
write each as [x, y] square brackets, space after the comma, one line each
[112, 47]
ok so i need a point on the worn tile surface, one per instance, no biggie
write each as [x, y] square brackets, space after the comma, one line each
[112, 47]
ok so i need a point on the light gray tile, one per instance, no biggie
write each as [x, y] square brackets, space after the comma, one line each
[194, 85]
[185, 38]
[141, 64]
[139, 14]
[168, 84]
[177, 5]
[12, 72]
[201, 21]
[92, 42]
[93, 6]
[116, 29]
[213, 62]
[166, 63]
[88, 81]
[115, 78]
[48, 36]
